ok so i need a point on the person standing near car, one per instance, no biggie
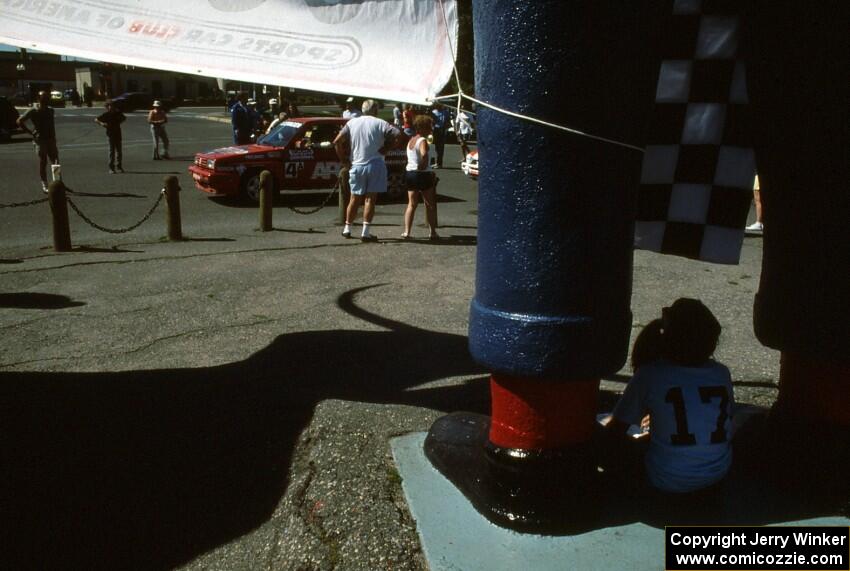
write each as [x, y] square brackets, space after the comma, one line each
[442, 118]
[360, 146]
[407, 120]
[43, 134]
[240, 119]
[397, 116]
[111, 119]
[350, 112]
[157, 119]
[281, 117]
[420, 179]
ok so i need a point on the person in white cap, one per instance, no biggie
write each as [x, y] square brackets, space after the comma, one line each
[350, 112]
[157, 119]
[274, 107]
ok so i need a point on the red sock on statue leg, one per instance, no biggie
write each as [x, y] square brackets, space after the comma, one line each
[531, 414]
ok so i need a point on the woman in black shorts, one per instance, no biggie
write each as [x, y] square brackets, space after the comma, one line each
[420, 179]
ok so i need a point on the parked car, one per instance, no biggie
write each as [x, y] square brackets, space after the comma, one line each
[469, 165]
[8, 119]
[299, 153]
[57, 99]
[135, 100]
[73, 97]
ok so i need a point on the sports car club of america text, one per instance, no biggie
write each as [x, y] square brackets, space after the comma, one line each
[313, 51]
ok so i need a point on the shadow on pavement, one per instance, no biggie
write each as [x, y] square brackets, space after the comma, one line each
[112, 250]
[453, 241]
[179, 158]
[152, 172]
[149, 469]
[310, 231]
[32, 300]
[105, 194]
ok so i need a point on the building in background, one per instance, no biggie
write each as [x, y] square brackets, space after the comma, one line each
[23, 75]
[109, 80]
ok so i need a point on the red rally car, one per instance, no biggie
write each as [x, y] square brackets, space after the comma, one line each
[299, 153]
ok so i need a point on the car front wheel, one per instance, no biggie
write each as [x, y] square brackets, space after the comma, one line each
[251, 187]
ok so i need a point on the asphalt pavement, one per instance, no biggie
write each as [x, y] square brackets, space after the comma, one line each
[226, 402]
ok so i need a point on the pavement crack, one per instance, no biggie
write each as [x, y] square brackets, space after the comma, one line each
[308, 511]
[80, 315]
[193, 331]
[7, 365]
[146, 345]
[169, 258]
[28, 322]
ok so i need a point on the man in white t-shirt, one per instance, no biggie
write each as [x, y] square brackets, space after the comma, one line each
[361, 144]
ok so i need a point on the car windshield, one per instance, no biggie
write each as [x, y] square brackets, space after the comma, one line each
[280, 135]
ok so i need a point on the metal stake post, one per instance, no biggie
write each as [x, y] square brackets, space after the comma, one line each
[266, 200]
[59, 209]
[172, 213]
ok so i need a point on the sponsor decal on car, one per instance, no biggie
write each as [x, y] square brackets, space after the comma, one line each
[301, 154]
[291, 170]
[326, 170]
[231, 150]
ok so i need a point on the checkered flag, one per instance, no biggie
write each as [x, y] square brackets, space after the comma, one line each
[697, 176]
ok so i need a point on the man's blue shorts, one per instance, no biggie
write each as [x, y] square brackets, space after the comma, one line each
[368, 178]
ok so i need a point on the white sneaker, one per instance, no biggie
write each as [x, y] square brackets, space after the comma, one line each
[44, 188]
[755, 227]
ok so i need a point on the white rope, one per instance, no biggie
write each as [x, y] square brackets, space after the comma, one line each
[460, 95]
[553, 125]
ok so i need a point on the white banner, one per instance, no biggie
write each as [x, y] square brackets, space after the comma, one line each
[397, 50]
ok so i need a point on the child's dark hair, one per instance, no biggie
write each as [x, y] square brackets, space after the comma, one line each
[686, 334]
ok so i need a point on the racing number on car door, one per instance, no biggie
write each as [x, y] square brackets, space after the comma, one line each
[292, 170]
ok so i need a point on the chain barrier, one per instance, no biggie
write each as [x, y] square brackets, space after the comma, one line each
[314, 210]
[93, 224]
[29, 203]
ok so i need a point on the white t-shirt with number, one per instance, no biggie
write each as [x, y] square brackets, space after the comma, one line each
[690, 422]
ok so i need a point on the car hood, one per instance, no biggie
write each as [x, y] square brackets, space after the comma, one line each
[237, 151]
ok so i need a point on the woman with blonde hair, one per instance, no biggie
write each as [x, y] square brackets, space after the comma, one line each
[420, 179]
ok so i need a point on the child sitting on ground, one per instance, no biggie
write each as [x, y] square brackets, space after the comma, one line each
[687, 396]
